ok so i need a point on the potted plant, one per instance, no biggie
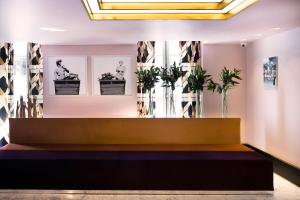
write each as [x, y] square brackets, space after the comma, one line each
[146, 81]
[229, 79]
[169, 76]
[197, 81]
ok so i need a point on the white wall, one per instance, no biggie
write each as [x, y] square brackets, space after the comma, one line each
[214, 56]
[270, 117]
[273, 114]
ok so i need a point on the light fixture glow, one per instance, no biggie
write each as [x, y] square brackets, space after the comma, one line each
[159, 1]
[223, 11]
[162, 4]
[276, 28]
[52, 29]
[229, 8]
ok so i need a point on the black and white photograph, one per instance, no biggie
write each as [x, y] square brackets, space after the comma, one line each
[271, 71]
[112, 75]
[67, 75]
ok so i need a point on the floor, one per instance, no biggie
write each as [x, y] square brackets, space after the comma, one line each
[284, 190]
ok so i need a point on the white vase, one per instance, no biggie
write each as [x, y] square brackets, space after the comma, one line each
[150, 112]
[224, 103]
[199, 104]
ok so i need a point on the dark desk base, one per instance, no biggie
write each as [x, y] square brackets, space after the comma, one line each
[135, 170]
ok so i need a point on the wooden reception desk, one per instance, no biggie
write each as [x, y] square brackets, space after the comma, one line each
[131, 154]
[125, 131]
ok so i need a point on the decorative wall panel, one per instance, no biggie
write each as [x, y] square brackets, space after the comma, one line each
[6, 89]
[35, 65]
[145, 60]
[190, 57]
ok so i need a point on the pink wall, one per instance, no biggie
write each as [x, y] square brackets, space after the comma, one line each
[215, 57]
[88, 105]
[273, 114]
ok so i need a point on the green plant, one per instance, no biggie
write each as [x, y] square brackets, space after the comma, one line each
[169, 76]
[229, 79]
[198, 79]
[147, 77]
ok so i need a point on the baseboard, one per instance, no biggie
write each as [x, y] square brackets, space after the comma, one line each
[282, 168]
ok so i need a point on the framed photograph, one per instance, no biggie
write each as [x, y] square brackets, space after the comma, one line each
[67, 75]
[270, 68]
[112, 75]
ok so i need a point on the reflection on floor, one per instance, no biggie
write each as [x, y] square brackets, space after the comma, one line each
[284, 190]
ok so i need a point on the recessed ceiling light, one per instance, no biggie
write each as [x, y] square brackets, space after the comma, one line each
[164, 9]
[52, 29]
[258, 35]
[159, 1]
[276, 28]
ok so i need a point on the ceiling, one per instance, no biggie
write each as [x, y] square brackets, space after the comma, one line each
[23, 20]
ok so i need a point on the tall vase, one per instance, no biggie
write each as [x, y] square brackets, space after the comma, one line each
[167, 101]
[199, 104]
[150, 103]
[172, 112]
[141, 103]
[224, 103]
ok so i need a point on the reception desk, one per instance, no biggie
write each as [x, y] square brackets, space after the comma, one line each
[125, 131]
[131, 154]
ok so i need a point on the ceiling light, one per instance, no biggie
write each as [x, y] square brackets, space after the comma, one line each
[164, 9]
[258, 35]
[158, 1]
[162, 4]
[52, 29]
[276, 28]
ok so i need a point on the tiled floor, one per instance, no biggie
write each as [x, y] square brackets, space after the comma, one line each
[284, 190]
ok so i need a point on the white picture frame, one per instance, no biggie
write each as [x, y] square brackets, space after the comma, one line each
[120, 69]
[69, 80]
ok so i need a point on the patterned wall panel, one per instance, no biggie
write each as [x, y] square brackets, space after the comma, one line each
[6, 62]
[11, 73]
[35, 65]
[190, 56]
[145, 59]
[3, 53]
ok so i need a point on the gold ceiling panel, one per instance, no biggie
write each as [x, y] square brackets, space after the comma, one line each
[155, 16]
[163, 5]
[224, 10]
